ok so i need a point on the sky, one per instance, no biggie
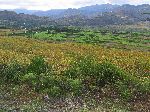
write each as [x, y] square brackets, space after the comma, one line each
[61, 4]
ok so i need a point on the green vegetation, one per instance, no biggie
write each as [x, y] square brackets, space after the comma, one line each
[90, 59]
[85, 76]
[107, 38]
[64, 68]
[39, 76]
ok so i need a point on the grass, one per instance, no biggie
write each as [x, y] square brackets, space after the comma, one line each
[138, 40]
[133, 39]
[85, 78]
[68, 75]
[60, 54]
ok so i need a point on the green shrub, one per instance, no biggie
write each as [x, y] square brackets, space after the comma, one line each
[12, 72]
[109, 73]
[37, 65]
[85, 74]
[142, 85]
[60, 86]
[87, 69]
[30, 79]
[135, 34]
[83, 66]
[37, 74]
[124, 91]
[54, 85]
[75, 86]
[40, 77]
[54, 91]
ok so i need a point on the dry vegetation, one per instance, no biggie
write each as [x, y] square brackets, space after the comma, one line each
[135, 64]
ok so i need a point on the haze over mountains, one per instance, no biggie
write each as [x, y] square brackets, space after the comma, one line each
[95, 15]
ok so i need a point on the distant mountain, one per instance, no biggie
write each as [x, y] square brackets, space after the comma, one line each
[95, 15]
[101, 15]
[133, 12]
[51, 13]
[98, 8]
[12, 19]
[18, 11]
[25, 11]
[97, 20]
[86, 11]
[98, 15]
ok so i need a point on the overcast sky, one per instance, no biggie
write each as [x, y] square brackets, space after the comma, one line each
[61, 4]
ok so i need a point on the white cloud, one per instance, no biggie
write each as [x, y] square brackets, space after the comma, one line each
[60, 4]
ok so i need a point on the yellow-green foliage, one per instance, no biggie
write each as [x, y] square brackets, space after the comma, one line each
[61, 54]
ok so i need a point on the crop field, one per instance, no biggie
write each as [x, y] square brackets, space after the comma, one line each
[136, 40]
[22, 50]
[40, 70]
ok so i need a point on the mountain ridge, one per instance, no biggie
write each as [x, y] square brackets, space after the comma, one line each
[95, 15]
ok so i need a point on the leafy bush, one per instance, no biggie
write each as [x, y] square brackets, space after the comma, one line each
[37, 65]
[31, 79]
[75, 86]
[55, 91]
[101, 73]
[109, 73]
[11, 72]
[85, 74]
[135, 34]
[83, 66]
[124, 90]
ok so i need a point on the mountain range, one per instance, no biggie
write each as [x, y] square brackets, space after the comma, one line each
[95, 15]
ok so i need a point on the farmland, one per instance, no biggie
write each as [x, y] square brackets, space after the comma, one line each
[102, 68]
[111, 38]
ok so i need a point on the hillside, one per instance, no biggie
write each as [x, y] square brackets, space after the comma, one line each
[13, 20]
[95, 15]
[67, 76]
[98, 15]
[91, 59]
